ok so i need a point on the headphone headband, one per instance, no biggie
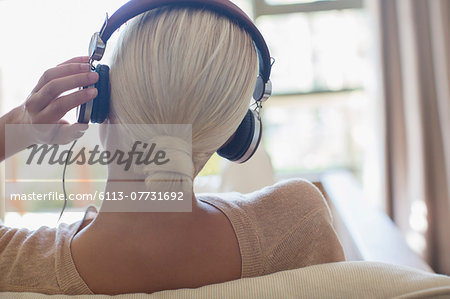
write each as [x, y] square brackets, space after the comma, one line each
[244, 142]
[223, 7]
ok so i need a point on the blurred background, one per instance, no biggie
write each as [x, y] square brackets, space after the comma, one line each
[361, 91]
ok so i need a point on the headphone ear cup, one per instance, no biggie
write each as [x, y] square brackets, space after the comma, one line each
[100, 105]
[245, 140]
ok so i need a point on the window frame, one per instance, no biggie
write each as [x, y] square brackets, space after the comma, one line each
[262, 8]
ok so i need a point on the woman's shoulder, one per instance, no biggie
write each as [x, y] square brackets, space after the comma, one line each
[13, 237]
[41, 255]
[30, 256]
[287, 225]
[292, 197]
[294, 187]
[289, 196]
[292, 200]
[295, 226]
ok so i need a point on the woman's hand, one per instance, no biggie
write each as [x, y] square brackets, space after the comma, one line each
[47, 105]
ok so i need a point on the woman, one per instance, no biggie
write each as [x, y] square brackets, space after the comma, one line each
[171, 65]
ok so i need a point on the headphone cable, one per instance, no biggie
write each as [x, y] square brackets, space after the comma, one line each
[64, 179]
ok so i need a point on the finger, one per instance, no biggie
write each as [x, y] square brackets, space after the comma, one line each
[56, 87]
[63, 122]
[77, 126]
[66, 134]
[74, 131]
[58, 108]
[61, 71]
[79, 59]
[70, 132]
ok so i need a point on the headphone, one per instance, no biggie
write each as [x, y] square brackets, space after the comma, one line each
[244, 142]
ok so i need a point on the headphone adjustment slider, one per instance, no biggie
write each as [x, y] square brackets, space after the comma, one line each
[97, 46]
[258, 107]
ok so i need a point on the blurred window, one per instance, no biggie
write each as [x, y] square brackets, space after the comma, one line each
[317, 118]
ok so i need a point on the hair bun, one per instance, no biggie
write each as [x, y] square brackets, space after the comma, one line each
[171, 155]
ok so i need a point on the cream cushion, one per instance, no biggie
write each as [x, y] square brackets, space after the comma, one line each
[358, 279]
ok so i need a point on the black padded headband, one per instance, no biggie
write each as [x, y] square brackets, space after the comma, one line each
[223, 7]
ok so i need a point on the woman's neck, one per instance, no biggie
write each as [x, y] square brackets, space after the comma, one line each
[129, 202]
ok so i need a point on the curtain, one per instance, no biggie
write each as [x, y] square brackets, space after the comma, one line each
[2, 195]
[415, 61]
[2, 182]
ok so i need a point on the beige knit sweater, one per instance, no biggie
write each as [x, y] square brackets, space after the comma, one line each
[281, 227]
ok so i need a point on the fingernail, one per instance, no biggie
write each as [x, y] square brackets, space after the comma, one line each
[85, 67]
[92, 92]
[93, 76]
[82, 127]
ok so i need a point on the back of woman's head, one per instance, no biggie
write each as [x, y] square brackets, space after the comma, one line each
[184, 66]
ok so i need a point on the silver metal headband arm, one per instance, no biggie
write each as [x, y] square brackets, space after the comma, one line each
[97, 46]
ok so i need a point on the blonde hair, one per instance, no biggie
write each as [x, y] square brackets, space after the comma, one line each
[184, 66]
